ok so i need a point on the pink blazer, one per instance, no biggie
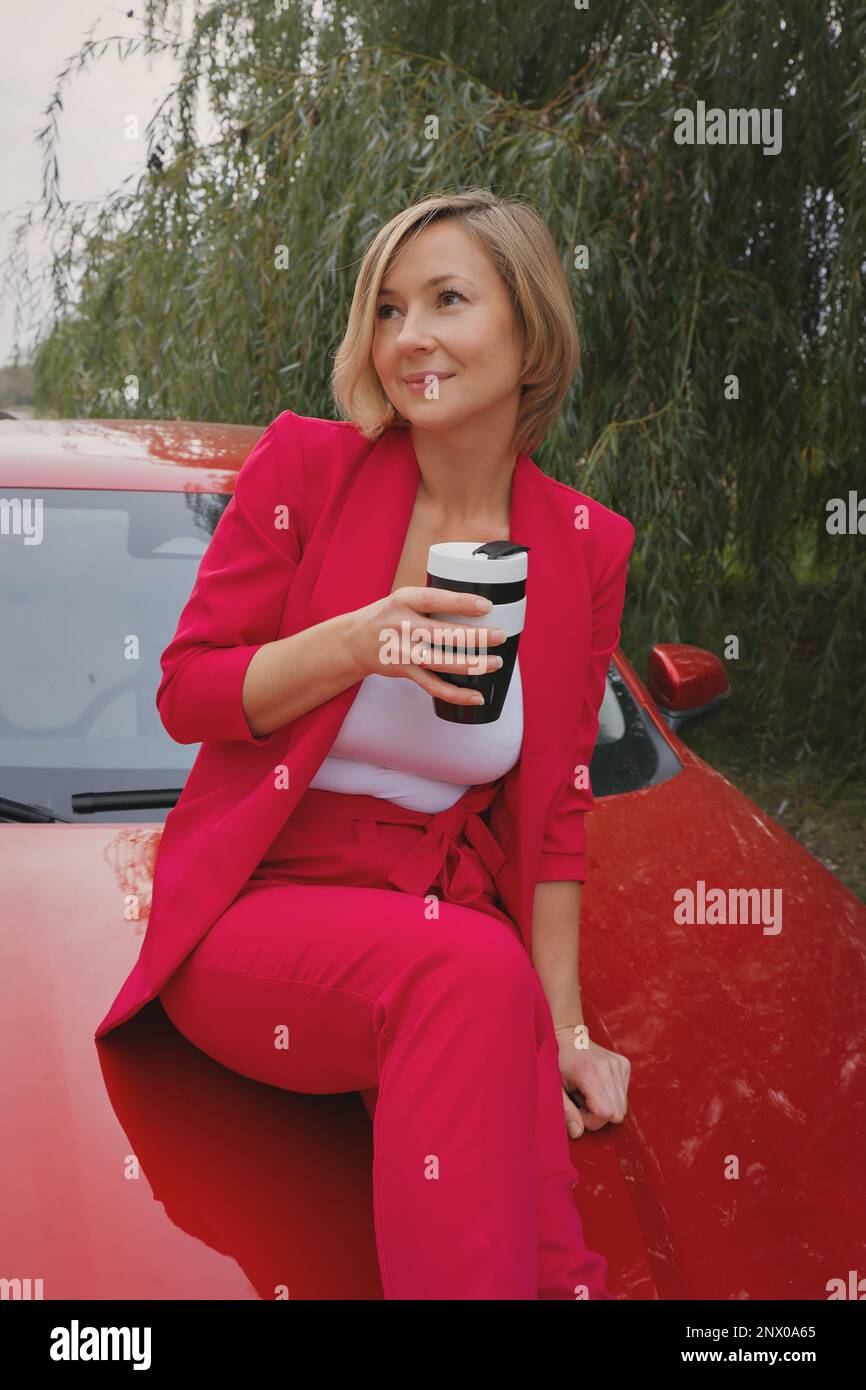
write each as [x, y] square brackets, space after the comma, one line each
[315, 528]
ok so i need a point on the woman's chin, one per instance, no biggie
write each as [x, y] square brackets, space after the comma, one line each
[431, 415]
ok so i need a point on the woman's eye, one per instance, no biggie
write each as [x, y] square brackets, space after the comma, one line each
[381, 314]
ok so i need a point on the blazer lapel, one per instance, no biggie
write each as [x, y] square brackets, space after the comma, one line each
[553, 652]
[367, 540]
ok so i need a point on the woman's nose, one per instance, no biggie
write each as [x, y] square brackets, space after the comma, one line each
[414, 332]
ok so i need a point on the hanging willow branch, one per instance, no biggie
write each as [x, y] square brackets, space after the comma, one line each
[221, 282]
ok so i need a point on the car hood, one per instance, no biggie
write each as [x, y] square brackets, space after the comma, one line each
[737, 1172]
[139, 1167]
[745, 1140]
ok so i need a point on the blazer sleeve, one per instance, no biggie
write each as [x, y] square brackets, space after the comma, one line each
[238, 597]
[563, 851]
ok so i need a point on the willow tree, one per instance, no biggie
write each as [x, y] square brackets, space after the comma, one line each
[701, 168]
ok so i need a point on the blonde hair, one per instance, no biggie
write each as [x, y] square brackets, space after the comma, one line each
[523, 251]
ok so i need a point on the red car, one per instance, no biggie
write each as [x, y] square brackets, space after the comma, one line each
[722, 959]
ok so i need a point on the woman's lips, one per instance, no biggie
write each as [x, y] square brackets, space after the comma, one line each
[421, 384]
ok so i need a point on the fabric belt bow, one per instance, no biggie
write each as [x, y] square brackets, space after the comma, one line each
[438, 851]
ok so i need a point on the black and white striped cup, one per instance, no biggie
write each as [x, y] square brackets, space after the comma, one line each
[494, 570]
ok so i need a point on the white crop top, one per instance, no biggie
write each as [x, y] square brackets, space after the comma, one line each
[393, 744]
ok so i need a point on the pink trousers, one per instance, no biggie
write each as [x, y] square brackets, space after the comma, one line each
[371, 943]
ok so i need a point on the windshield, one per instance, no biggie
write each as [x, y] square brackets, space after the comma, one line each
[89, 600]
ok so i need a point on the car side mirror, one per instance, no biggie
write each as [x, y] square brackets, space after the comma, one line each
[686, 682]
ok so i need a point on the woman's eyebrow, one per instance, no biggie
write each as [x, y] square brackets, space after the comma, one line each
[428, 284]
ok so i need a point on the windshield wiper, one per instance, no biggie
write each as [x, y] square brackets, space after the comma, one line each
[85, 803]
[26, 812]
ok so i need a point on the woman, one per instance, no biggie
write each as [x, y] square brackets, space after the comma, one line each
[351, 893]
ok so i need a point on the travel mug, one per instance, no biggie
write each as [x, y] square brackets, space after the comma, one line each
[494, 570]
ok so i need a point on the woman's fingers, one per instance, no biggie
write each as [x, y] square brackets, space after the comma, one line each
[434, 685]
[460, 648]
[460, 664]
[573, 1117]
[603, 1095]
[428, 600]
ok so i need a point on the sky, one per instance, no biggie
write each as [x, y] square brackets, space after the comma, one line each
[93, 156]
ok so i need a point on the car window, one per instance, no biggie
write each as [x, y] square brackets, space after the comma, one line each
[629, 752]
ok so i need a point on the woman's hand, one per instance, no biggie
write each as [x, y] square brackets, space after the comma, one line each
[599, 1076]
[395, 636]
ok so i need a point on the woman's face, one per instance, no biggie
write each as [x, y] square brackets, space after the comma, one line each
[462, 330]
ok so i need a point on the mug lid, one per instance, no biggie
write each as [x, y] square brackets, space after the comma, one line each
[465, 560]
